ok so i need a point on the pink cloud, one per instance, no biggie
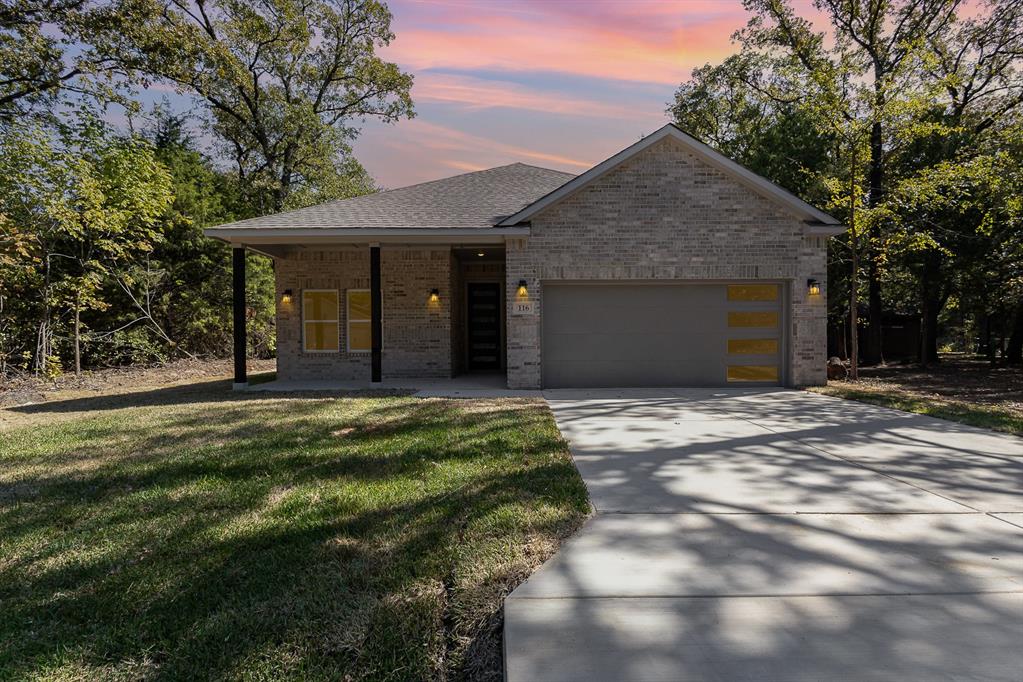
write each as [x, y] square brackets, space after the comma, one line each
[617, 65]
[442, 138]
[502, 41]
[418, 150]
[480, 93]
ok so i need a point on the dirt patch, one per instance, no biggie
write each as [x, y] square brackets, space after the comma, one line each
[29, 389]
[957, 378]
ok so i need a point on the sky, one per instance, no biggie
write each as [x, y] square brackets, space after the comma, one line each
[556, 83]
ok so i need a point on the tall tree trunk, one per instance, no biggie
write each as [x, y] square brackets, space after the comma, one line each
[929, 330]
[985, 340]
[1014, 353]
[931, 302]
[78, 337]
[43, 338]
[854, 275]
[872, 353]
[284, 182]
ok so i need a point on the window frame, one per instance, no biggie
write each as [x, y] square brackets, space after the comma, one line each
[349, 320]
[336, 321]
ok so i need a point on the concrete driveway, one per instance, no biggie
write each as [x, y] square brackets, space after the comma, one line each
[777, 535]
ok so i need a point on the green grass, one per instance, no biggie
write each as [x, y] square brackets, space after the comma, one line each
[996, 417]
[204, 535]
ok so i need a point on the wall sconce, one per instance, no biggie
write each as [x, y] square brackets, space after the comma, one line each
[434, 295]
[286, 297]
[522, 292]
[813, 287]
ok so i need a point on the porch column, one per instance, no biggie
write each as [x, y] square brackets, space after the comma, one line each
[376, 327]
[238, 270]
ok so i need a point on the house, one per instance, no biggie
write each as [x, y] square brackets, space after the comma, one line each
[667, 264]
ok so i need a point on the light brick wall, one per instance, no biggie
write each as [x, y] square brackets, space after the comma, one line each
[665, 214]
[416, 333]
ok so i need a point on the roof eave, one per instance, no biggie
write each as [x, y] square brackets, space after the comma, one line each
[285, 235]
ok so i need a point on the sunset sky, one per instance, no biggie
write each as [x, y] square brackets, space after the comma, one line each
[556, 83]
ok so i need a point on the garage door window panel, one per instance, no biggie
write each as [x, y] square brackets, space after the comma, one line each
[753, 292]
[752, 373]
[764, 319]
[752, 346]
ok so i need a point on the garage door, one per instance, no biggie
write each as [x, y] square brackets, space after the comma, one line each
[713, 334]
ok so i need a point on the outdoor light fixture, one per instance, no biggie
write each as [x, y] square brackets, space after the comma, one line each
[813, 287]
[434, 295]
[522, 288]
[480, 254]
[286, 298]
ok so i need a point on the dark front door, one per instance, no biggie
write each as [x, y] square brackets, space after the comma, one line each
[484, 325]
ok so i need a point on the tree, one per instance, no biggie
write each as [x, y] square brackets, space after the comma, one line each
[89, 201]
[285, 80]
[47, 49]
[739, 107]
[926, 100]
[876, 43]
[189, 275]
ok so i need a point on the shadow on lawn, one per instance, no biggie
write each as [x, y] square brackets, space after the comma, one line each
[280, 547]
[215, 391]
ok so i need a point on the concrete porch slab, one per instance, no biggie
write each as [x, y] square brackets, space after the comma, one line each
[469, 386]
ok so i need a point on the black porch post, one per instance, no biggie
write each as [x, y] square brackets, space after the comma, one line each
[238, 270]
[376, 327]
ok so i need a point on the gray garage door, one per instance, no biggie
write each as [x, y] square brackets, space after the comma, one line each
[713, 334]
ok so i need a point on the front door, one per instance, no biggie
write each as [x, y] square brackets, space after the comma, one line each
[484, 325]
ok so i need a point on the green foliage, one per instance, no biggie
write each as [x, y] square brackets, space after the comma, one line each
[929, 105]
[110, 227]
[285, 82]
[102, 255]
[48, 49]
[735, 107]
[125, 347]
[88, 202]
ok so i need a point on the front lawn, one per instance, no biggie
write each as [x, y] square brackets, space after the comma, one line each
[193, 533]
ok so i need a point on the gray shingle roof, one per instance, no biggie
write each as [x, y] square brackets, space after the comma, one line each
[471, 200]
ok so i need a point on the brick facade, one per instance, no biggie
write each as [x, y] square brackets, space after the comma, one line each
[417, 338]
[664, 214]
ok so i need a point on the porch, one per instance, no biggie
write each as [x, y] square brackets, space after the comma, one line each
[382, 315]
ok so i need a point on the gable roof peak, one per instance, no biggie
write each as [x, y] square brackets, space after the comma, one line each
[821, 222]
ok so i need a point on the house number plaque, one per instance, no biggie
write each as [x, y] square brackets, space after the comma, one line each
[523, 307]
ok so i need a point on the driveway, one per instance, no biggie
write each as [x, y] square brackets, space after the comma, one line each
[777, 535]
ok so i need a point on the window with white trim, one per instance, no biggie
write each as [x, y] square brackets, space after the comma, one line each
[320, 323]
[359, 321]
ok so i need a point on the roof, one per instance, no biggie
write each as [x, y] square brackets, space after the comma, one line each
[819, 222]
[480, 199]
[486, 204]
